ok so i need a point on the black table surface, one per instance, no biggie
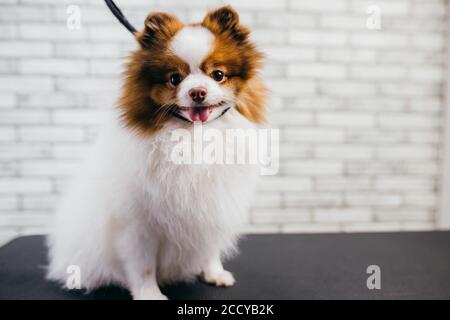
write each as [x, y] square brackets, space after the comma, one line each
[413, 265]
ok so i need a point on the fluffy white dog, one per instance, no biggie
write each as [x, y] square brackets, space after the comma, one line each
[133, 216]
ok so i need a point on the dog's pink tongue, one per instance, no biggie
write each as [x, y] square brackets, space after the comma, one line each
[193, 114]
[204, 113]
[199, 113]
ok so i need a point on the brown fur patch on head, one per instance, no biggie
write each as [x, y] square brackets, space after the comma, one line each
[159, 27]
[146, 97]
[236, 56]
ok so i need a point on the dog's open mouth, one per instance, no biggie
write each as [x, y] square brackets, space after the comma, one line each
[200, 113]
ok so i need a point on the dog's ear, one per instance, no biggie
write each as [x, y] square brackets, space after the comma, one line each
[225, 20]
[159, 26]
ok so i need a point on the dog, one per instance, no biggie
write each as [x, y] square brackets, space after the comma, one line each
[136, 219]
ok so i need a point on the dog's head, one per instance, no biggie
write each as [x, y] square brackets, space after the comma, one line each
[196, 71]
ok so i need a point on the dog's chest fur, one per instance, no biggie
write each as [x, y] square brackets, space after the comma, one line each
[194, 208]
[131, 188]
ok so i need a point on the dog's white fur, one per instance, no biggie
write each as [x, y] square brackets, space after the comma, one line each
[193, 44]
[135, 218]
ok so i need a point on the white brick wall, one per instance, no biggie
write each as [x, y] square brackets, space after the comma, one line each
[359, 110]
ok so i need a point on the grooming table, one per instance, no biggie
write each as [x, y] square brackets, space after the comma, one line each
[414, 265]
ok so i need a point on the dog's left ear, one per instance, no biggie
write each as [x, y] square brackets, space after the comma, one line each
[225, 20]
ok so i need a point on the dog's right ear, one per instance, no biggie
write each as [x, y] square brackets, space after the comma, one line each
[159, 26]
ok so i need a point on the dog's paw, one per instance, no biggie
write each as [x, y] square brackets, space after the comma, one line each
[221, 279]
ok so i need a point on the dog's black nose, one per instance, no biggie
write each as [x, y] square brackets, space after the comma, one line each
[198, 94]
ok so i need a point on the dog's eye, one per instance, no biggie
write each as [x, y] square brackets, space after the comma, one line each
[218, 75]
[175, 79]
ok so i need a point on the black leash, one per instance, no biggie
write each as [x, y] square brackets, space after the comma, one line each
[119, 15]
